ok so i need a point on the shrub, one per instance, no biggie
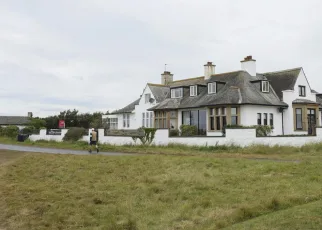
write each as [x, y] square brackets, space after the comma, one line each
[174, 133]
[263, 130]
[148, 136]
[188, 130]
[28, 130]
[10, 131]
[74, 134]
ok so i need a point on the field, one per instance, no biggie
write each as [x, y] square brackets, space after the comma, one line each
[43, 191]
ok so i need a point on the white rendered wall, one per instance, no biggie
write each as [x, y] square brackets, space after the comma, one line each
[142, 107]
[42, 136]
[248, 116]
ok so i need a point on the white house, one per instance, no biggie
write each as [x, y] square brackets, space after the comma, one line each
[282, 99]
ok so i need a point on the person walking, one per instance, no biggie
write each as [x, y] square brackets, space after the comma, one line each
[93, 141]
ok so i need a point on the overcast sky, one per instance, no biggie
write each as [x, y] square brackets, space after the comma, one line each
[97, 55]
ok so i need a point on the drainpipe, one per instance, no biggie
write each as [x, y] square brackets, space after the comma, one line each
[282, 121]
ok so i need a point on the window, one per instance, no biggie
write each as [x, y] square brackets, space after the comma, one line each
[143, 119]
[234, 116]
[160, 121]
[193, 90]
[196, 118]
[217, 118]
[259, 119]
[302, 92]
[265, 86]
[271, 119]
[147, 120]
[176, 93]
[212, 87]
[147, 98]
[113, 123]
[299, 119]
[151, 119]
[126, 120]
[265, 118]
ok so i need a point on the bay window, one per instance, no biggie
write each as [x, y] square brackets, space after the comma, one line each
[196, 118]
[298, 119]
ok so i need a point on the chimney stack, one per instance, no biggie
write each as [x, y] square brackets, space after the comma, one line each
[166, 78]
[249, 65]
[30, 114]
[209, 70]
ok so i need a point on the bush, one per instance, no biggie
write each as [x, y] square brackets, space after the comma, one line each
[263, 130]
[188, 130]
[74, 134]
[28, 130]
[10, 131]
[174, 133]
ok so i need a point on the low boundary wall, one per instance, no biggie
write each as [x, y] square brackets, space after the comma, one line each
[239, 137]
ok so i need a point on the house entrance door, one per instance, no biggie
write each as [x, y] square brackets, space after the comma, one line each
[311, 121]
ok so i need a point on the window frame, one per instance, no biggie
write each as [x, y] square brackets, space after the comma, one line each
[265, 119]
[233, 115]
[143, 119]
[271, 120]
[301, 89]
[213, 86]
[160, 117]
[113, 123]
[301, 115]
[217, 118]
[195, 90]
[173, 92]
[265, 86]
[259, 119]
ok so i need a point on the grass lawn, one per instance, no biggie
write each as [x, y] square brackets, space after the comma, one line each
[44, 191]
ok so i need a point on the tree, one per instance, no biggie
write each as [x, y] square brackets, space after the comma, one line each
[37, 123]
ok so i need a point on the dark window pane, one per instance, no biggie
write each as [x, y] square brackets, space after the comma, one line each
[194, 117]
[218, 123]
[234, 120]
[224, 121]
[271, 120]
[259, 118]
[202, 121]
[186, 118]
[233, 111]
[212, 123]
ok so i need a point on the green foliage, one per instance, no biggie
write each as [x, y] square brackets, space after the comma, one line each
[263, 130]
[148, 137]
[10, 131]
[28, 130]
[74, 134]
[188, 130]
[37, 123]
[174, 133]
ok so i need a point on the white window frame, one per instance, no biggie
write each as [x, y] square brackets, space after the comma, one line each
[147, 119]
[193, 90]
[126, 120]
[147, 98]
[113, 123]
[265, 86]
[212, 87]
[143, 119]
[176, 93]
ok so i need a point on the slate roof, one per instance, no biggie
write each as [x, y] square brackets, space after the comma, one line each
[304, 101]
[319, 99]
[188, 82]
[283, 80]
[238, 89]
[127, 109]
[14, 120]
[160, 92]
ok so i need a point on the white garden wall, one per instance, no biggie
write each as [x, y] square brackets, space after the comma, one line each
[240, 137]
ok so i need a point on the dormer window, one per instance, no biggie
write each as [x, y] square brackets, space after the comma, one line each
[176, 93]
[212, 87]
[193, 90]
[265, 86]
[302, 91]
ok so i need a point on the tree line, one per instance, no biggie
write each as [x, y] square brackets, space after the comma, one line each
[72, 118]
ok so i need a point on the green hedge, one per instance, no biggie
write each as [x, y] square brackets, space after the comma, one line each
[74, 134]
[188, 130]
[9, 131]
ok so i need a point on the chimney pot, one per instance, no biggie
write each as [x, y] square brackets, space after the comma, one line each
[166, 78]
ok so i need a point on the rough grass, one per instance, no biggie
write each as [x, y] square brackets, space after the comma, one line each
[309, 151]
[43, 191]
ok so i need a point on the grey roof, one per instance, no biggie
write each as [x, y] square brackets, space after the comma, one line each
[14, 120]
[283, 80]
[127, 109]
[319, 99]
[160, 92]
[238, 89]
[304, 101]
[188, 82]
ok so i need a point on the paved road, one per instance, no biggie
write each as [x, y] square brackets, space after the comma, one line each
[55, 151]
